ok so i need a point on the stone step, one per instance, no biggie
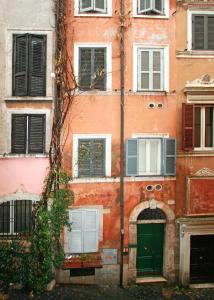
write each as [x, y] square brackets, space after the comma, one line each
[151, 280]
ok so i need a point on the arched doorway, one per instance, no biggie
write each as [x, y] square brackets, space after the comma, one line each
[150, 242]
[152, 222]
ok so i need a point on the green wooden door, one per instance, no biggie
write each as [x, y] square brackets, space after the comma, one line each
[150, 239]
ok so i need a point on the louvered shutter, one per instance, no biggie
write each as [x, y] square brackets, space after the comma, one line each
[36, 133]
[169, 158]
[22, 215]
[91, 227]
[85, 68]
[19, 133]
[188, 126]
[210, 37]
[20, 64]
[156, 69]
[37, 65]
[144, 5]
[132, 157]
[99, 69]
[98, 158]
[144, 67]
[75, 236]
[84, 158]
[86, 5]
[5, 217]
[198, 32]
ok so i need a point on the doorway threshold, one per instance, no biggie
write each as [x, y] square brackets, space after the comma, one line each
[201, 285]
[151, 280]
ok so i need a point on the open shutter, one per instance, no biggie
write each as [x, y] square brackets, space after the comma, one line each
[198, 32]
[37, 65]
[75, 235]
[144, 6]
[169, 157]
[100, 6]
[210, 34]
[86, 5]
[188, 126]
[20, 64]
[85, 68]
[99, 70]
[36, 133]
[132, 157]
[91, 227]
[19, 133]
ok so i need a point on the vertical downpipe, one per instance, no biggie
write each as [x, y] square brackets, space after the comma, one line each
[122, 95]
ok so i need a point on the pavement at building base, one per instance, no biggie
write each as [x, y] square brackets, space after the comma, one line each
[80, 292]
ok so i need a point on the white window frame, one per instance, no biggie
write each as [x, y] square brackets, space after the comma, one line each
[9, 62]
[83, 211]
[203, 128]
[94, 14]
[77, 137]
[190, 13]
[108, 48]
[164, 16]
[22, 111]
[165, 71]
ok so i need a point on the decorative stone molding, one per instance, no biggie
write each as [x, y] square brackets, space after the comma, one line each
[203, 84]
[20, 196]
[204, 172]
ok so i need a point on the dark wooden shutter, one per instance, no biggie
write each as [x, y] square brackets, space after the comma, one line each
[20, 64]
[188, 126]
[98, 158]
[37, 65]
[84, 158]
[85, 68]
[132, 157]
[36, 133]
[99, 70]
[198, 32]
[169, 157]
[210, 37]
[19, 133]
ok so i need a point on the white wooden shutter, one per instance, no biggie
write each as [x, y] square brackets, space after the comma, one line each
[85, 5]
[75, 235]
[91, 227]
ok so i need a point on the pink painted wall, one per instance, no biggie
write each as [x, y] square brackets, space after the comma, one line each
[22, 174]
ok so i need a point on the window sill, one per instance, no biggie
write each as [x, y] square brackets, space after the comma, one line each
[27, 98]
[195, 54]
[195, 153]
[127, 93]
[117, 179]
[93, 15]
[151, 16]
[13, 155]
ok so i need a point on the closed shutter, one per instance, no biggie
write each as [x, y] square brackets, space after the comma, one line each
[99, 70]
[156, 70]
[36, 133]
[75, 235]
[37, 65]
[22, 215]
[144, 70]
[85, 68]
[86, 5]
[20, 64]
[188, 126]
[19, 133]
[169, 157]
[210, 32]
[100, 6]
[98, 158]
[132, 157]
[84, 158]
[90, 234]
[198, 32]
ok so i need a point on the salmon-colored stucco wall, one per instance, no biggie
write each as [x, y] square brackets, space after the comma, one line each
[22, 174]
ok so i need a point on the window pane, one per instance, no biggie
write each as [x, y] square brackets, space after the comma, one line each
[86, 3]
[158, 5]
[154, 156]
[208, 127]
[211, 33]
[156, 81]
[156, 61]
[22, 216]
[197, 127]
[144, 4]
[142, 156]
[100, 4]
[144, 60]
[199, 32]
[5, 217]
[145, 81]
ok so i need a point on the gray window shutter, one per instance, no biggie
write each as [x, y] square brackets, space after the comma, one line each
[210, 37]
[198, 32]
[169, 157]
[20, 65]
[132, 157]
[75, 238]
[85, 5]
[36, 133]
[19, 133]
[37, 65]
[143, 6]
[100, 6]
[91, 227]
[22, 215]
[5, 217]
[99, 69]
[85, 68]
